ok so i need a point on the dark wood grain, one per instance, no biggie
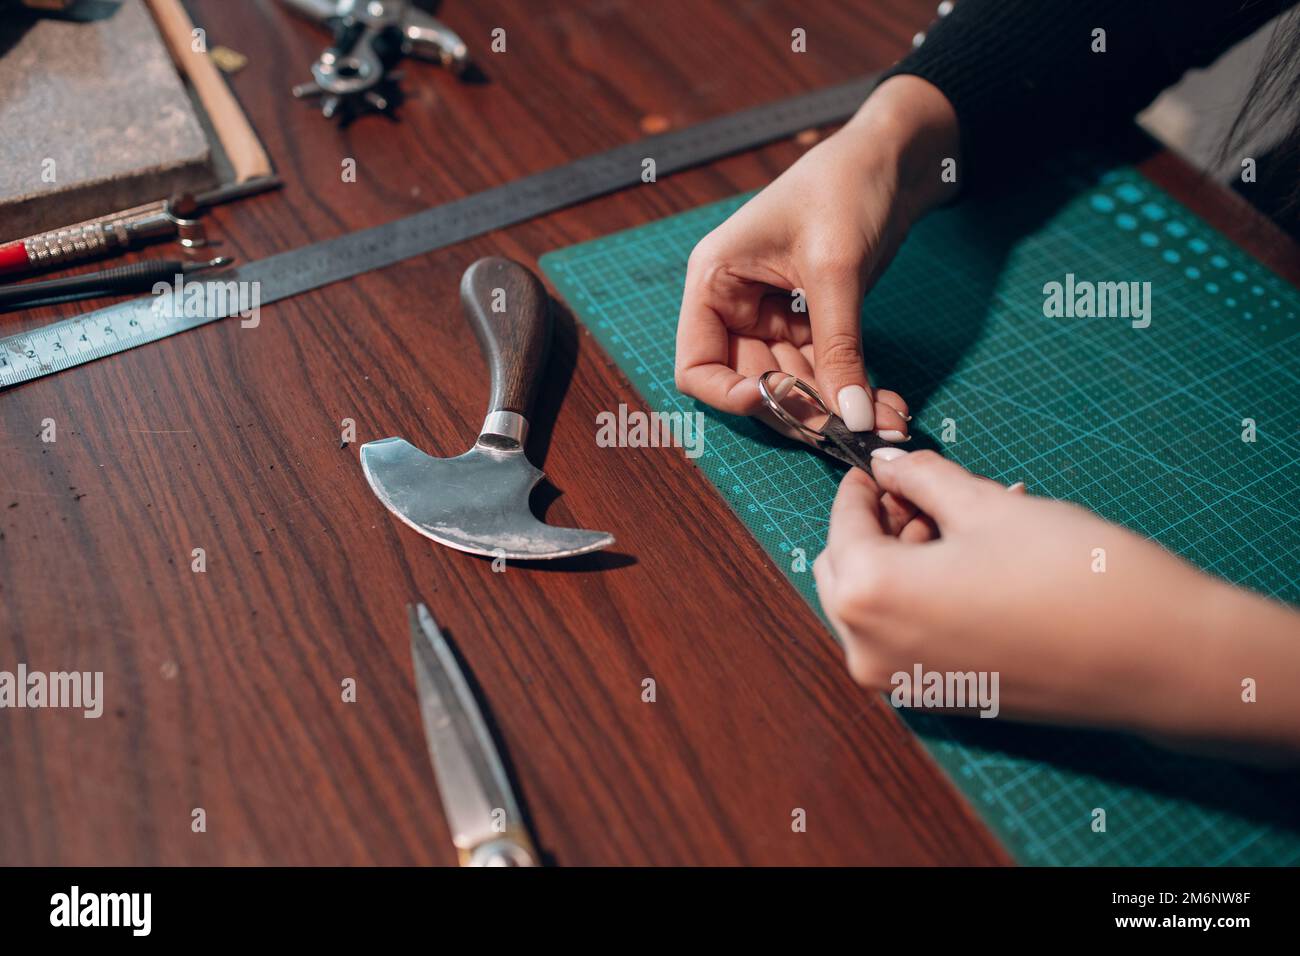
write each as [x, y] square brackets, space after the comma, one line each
[224, 687]
[507, 306]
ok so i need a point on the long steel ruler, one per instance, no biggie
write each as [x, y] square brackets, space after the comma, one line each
[123, 326]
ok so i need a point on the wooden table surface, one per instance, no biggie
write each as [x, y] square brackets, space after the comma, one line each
[224, 688]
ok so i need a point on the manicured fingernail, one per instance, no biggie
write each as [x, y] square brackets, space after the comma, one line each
[892, 435]
[856, 408]
[888, 454]
[1018, 486]
[783, 387]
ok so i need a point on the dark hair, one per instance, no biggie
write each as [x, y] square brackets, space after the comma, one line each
[1275, 94]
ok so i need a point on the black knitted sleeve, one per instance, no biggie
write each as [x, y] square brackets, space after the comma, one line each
[1027, 77]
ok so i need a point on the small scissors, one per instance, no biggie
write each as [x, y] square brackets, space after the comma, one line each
[834, 437]
[485, 821]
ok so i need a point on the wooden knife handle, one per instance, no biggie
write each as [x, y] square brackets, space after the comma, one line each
[510, 312]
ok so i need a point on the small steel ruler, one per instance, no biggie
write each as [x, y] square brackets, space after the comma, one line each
[119, 327]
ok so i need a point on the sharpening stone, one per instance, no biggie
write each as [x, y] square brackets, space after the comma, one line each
[101, 99]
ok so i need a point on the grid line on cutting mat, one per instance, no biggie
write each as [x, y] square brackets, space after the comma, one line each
[1141, 425]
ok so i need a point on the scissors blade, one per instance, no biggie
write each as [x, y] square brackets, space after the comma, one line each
[852, 448]
[476, 794]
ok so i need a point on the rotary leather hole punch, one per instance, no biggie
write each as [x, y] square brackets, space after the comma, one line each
[356, 73]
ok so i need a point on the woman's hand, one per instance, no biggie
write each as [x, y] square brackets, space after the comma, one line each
[1084, 621]
[780, 284]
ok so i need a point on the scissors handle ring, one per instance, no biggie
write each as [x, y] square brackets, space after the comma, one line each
[774, 405]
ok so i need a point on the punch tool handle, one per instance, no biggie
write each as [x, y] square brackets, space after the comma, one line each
[120, 280]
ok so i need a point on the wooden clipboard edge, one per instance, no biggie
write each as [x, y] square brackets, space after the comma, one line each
[238, 139]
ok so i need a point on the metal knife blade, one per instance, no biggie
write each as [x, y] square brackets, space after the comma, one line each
[852, 448]
[486, 824]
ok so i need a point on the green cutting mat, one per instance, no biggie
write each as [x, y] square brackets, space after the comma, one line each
[1142, 425]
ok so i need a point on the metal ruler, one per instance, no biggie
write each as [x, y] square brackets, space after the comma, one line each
[114, 329]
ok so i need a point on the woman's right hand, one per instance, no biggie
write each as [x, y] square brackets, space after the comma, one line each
[780, 284]
[1082, 621]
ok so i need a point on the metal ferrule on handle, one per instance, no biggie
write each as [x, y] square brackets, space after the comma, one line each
[510, 425]
[504, 852]
[98, 237]
[71, 245]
